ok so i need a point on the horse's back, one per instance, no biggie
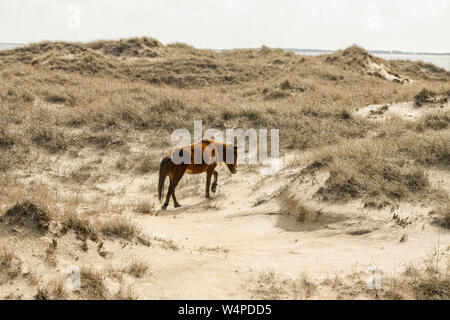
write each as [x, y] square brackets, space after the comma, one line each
[195, 152]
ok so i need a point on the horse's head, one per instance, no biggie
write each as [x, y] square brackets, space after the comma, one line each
[232, 164]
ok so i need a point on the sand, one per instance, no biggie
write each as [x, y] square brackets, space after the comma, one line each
[215, 249]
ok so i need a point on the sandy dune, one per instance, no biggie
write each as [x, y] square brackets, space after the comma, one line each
[216, 249]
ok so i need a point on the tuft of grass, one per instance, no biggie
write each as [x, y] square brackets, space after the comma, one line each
[434, 121]
[166, 243]
[442, 217]
[377, 202]
[112, 227]
[427, 284]
[27, 212]
[145, 208]
[429, 96]
[432, 287]
[215, 249]
[10, 265]
[137, 268]
[270, 285]
[424, 96]
[125, 293]
[92, 284]
[147, 163]
[6, 140]
[83, 227]
[118, 227]
[276, 94]
[50, 139]
[54, 290]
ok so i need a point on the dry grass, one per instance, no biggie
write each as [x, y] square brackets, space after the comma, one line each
[29, 214]
[26, 213]
[95, 228]
[54, 290]
[426, 96]
[118, 227]
[137, 268]
[10, 265]
[438, 120]
[442, 216]
[167, 244]
[92, 284]
[435, 287]
[101, 95]
[145, 207]
[216, 249]
[125, 293]
[82, 226]
[270, 285]
[415, 283]
[147, 163]
[395, 169]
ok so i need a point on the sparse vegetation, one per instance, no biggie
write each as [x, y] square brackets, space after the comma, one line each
[270, 285]
[147, 163]
[166, 243]
[424, 96]
[216, 249]
[118, 227]
[54, 290]
[92, 284]
[10, 265]
[395, 169]
[429, 284]
[429, 96]
[26, 213]
[137, 268]
[145, 208]
[442, 216]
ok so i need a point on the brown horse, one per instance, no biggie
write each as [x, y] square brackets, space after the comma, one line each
[184, 159]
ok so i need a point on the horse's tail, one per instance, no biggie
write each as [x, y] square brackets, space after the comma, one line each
[164, 168]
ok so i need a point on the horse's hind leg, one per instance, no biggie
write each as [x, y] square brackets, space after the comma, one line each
[175, 202]
[175, 183]
[169, 193]
[214, 184]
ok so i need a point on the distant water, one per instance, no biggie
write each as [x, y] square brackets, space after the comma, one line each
[5, 46]
[442, 61]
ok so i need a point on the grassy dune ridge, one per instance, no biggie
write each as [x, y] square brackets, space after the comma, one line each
[60, 96]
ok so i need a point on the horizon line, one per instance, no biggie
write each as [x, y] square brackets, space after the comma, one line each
[380, 51]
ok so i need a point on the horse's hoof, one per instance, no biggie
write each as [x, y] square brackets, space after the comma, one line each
[177, 205]
[208, 197]
[164, 207]
[213, 188]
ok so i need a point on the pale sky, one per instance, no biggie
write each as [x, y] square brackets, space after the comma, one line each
[409, 25]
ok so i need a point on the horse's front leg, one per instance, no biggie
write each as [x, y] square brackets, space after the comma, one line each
[208, 183]
[214, 184]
